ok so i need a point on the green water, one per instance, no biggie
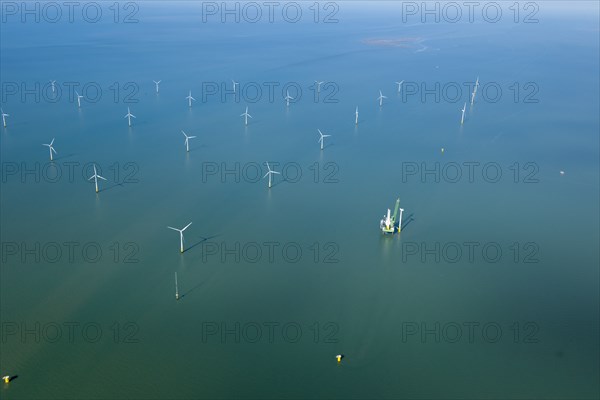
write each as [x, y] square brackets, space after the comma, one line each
[351, 291]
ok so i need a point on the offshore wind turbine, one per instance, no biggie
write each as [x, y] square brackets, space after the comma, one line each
[50, 148]
[95, 178]
[270, 173]
[319, 86]
[400, 220]
[156, 83]
[234, 85]
[246, 115]
[4, 115]
[78, 99]
[356, 116]
[52, 83]
[288, 98]
[176, 288]
[399, 85]
[187, 141]
[474, 90]
[321, 139]
[129, 115]
[190, 98]
[180, 235]
[380, 98]
[462, 118]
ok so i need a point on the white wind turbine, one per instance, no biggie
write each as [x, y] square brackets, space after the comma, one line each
[4, 115]
[399, 85]
[95, 178]
[321, 139]
[129, 115]
[380, 98]
[187, 141]
[190, 98]
[288, 98]
[400, 220]
[356, 116]
[270, 173]
[78, 99]
[53, 88]
[180, 235]
[474, 90]
[176, 288]
[462, 118]
[50, 148]
[246, 115]
[156, 83]
[319, 86]
[234, 85]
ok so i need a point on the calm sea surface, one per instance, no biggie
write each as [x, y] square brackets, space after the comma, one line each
[490, 291]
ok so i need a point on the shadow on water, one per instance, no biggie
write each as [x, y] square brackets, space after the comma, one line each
[65, 156]
[204, 239]
[194, 288]
[408, 221]
[112, 186]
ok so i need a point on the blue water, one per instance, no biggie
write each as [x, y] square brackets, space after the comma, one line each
[390, 304]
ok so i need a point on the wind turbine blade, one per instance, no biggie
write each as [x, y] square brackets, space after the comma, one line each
[187, 226]
[101, 177]
[274, 172]
[175, 229]
[191, 137]
[266, 174]
[52, 149]
[90, 178]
